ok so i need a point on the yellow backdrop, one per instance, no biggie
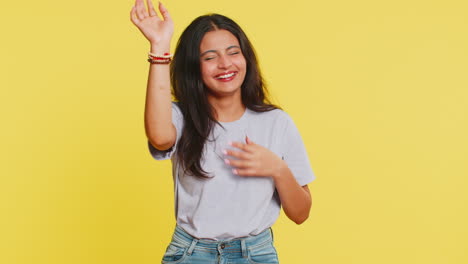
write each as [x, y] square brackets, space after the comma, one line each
[378, 90]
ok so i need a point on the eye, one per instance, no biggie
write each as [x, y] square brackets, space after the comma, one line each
[234, 53]
[209, 57]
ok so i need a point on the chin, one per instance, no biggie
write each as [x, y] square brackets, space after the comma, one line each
[223, 92]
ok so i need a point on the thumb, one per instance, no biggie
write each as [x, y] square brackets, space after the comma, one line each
[247, 139]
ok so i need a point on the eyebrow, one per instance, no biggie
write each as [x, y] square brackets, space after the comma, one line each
[228, 48]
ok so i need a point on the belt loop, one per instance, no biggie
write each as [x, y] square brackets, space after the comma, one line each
[192, 246]
[244, 248]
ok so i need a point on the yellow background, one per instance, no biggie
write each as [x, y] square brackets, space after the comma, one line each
[378, 90]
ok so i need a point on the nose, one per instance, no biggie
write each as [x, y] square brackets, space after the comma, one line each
[224, 62]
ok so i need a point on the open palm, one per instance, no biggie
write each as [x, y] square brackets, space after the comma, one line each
[155, 29]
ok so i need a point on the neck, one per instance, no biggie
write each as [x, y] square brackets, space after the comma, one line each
[227, 109]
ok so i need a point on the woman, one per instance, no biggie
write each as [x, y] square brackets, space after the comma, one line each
[236, 157]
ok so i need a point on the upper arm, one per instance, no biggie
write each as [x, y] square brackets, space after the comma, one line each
[166, 143]
[306, 188]
[166, 146]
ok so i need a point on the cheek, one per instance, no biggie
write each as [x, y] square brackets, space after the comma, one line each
[205, 71]
[242, 64]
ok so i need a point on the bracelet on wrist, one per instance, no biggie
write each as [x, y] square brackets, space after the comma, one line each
[153, 58]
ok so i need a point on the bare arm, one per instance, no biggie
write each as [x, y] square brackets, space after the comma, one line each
[295, 199]
[158, 110]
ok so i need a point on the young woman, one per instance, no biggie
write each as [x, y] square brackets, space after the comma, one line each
[236, 157]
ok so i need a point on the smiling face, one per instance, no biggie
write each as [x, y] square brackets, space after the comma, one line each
[223, 66]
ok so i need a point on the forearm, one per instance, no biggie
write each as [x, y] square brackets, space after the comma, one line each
[296, 201]
[158, 109]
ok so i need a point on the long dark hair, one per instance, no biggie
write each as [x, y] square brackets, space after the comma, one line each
[191, 92]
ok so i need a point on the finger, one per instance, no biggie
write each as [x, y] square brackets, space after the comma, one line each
[247, 139]
[141, 10]
[238, 163]
[133, 16]
[241, 146]
[237, 154]
[164, 12]
[244, 172]
[151, 10]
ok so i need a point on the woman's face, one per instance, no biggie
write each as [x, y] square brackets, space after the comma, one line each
[223, 65]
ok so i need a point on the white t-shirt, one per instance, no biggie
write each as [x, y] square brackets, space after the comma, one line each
[227, 205]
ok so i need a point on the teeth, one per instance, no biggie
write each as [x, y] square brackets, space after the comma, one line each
[225, 76]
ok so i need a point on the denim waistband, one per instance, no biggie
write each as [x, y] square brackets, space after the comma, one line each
[232, 245]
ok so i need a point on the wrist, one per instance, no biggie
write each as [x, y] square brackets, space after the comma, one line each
[160, 48]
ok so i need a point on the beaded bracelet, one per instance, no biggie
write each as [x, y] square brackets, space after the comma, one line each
[159, 59]
[166, 55]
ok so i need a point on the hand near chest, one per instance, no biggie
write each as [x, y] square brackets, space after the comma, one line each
[250, 159]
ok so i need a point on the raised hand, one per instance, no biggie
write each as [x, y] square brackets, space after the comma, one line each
[158, 31]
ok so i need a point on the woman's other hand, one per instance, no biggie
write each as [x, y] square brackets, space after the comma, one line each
[253, 160]
[156, 30]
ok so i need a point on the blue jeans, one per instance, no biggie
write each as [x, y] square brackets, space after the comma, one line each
[186, 249]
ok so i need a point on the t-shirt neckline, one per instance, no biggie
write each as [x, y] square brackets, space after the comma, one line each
[236, 121]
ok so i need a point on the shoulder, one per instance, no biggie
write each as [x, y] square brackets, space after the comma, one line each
[274, 117]
[275, 113]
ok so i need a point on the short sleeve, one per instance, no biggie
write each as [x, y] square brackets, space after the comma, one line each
[178, 121]
[295, 154]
